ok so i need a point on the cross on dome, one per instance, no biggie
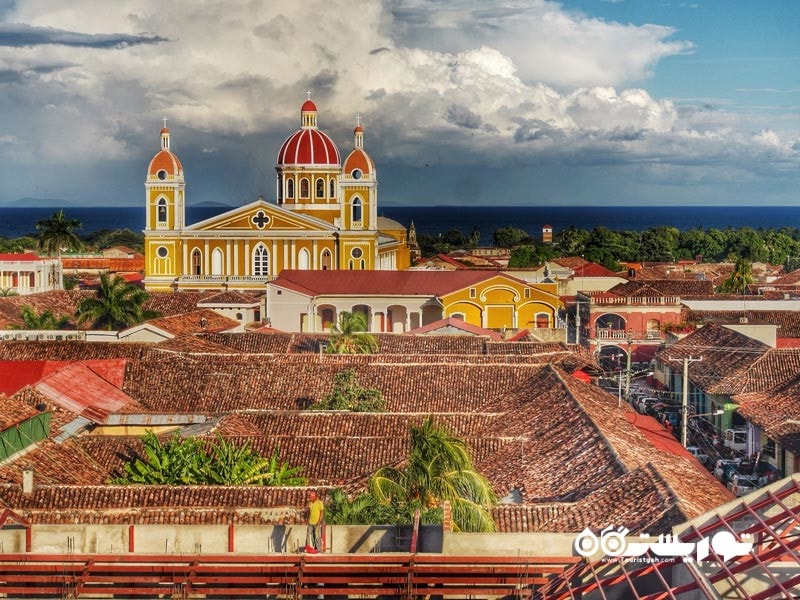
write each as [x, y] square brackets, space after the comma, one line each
[165, 122]
[358, 120]
[308, 94]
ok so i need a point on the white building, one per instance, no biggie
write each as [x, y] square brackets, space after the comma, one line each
[30, 273]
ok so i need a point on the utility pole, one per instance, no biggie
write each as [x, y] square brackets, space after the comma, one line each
[628, 371]
[685, 399]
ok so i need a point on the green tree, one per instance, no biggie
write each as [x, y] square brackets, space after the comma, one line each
[241, 465]
[347, 394]
[737, 282]
[173, 462]
[106, 238]
[658, 244]
[510, 237]
[116, 305]
[349, 335]
[45, 320]
[572, 241]
[361, 509]
[188, 461]
[438, 468]
[58, 233]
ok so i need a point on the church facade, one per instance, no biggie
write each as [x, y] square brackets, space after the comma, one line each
[325, 217]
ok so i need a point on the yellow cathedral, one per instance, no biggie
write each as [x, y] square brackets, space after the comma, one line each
[325, 217]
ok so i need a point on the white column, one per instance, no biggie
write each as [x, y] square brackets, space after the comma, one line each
[314, 255]
[228, 246]
[236, 258]
[247, 259]
[206, 258]
[185, 259]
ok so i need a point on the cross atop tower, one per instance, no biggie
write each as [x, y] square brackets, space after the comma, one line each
[308, 95]
[165, 122]
[358, 120]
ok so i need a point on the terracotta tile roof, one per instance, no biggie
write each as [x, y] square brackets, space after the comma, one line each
[788, 321]
[233, 298]
[532, 428]
[57, 504]
[65, 303]
[664, 287]
[359, 283]
[13, 412]
[457, 325]
[70, 351]
[193, 344]
[195, 321]
[792, 278]
[727, 356]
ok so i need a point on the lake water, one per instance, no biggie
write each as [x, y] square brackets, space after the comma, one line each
[15, 222]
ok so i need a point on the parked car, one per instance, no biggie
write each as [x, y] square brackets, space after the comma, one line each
[645, 404]
[735, 439]
[698, 454]
[725, 468]
[741, 485]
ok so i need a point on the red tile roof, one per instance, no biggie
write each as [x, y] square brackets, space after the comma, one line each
[82, 391]
[23, 257]
[440, 327]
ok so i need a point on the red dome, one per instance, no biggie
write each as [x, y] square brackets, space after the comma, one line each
[308, 106]
[360, 160]
[308, 147]
[164, 161]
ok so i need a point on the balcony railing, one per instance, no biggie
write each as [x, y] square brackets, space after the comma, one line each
[622, 334]
[634, 300]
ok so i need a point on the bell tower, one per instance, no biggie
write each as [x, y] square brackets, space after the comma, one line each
[165, 202]
[165, 189]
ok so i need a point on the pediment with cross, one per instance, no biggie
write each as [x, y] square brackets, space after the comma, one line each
[261, 216]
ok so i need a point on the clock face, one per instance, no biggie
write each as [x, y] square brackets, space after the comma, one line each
[162, 174]
[356, 173]
[356, 253]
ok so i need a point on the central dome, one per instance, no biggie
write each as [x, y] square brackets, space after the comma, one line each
[308, 145]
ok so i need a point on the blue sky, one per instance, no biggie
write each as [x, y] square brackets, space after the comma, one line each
[582, 102]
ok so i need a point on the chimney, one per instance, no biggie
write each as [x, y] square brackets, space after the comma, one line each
[27, 481]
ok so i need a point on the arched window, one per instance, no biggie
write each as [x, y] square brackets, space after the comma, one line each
[303, 260]
[328, 318]
[260, 261]
[542, 321]
[290, 188]
[320, 188]
[216, 262]
[357, 210]
[304, 188]
[162, 210]
[332, 188]
[197, 262]
[326, 259]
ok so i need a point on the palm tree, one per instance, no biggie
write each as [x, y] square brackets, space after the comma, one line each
[438, 468]
[737, 282]
[116, 305]
[57, 233]
[349, 335]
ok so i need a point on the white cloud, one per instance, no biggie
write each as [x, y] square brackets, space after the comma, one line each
[461, 83]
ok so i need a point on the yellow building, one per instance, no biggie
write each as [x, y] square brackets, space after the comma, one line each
[325, 218]
[397, 302]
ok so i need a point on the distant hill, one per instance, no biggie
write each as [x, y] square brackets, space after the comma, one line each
[39, 203]
[210, 203]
